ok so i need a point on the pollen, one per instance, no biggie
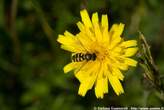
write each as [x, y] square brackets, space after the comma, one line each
[101, 52]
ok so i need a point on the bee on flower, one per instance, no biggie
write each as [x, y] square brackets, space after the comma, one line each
[99, 55]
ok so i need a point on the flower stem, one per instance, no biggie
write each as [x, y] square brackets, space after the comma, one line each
[13, 33]
[151, 71]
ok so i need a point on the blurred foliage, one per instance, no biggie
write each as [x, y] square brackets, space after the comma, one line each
[31, 61]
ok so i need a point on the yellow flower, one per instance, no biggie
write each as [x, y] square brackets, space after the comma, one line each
[110, 51]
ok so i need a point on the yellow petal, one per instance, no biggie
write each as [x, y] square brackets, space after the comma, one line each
[92, 81]
[117, 73]
[86, 31]
[114, 28]
[115, 41]
[88, 69]
[104, 77]
[101, 70]
[104, 21]
[105, 35]
[71, 66]
[65, 40]
[123, 67]
[129, 43]
[115, 62]
[99, 88]
[69, 48]
[130, 62]
[84, 41]
[85, 18]
[83, 89]
[87, 77]
[72, 48]
[92, 75]
[115, 34]
[80, 26]
[81, 76]
[86, 85]
[130, 52]
[117, 49]
[68, 34]
[70, 42]
[105, 83]
[97, 31]
[90, 34]
[120, 29]
[115, 83]
[95, 19]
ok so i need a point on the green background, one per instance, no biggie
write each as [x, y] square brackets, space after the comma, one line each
[31, 61]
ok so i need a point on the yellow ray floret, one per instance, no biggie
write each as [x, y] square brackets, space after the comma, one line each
[99, 55]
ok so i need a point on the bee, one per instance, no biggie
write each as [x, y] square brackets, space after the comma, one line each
[78, 57]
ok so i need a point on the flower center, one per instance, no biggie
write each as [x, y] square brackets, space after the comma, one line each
[101, 51]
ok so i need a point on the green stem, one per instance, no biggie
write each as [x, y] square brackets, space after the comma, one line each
[13, 33]
[45, 25]
[151, 70]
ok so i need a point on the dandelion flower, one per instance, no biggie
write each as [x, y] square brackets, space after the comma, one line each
[99, 55]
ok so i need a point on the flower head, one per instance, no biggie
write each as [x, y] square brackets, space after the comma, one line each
[99, 55]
